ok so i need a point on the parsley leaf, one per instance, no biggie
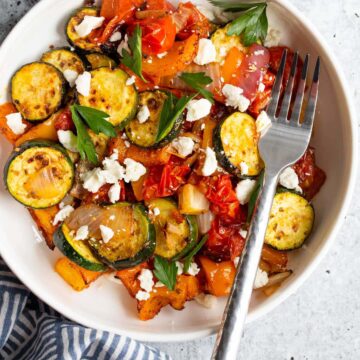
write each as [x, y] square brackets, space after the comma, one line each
[198, 81]
[233, 7]
[189, 258]
[133, 60]
[170, 112]
[165, 272]
[252, 24]
[96, 120]
[84, 143]
[254, 195]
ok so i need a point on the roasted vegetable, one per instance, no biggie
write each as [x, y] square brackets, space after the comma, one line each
[38, 90]
[291, 221]
[39, 174]
[192, 201]
[98, 60]
[109, 93]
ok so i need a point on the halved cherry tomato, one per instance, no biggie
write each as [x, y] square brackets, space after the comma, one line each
[64, 121]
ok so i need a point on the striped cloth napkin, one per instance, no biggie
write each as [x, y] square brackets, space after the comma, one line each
[31, 330]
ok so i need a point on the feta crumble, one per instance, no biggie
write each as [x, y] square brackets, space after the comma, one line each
[183, 145]
[146, 280]
[70, 76]
[83, 83]
[210, 164]
[14, 122]
[261, 279]
[289, 179]
[143, 114]
[272, 38]
[142, 295]
[134, 170]
[263, 122]
[197, 109]
[180, 267]
[244, 169]
[68, 140]
[123, 45]
[206, 52]
[130, 80]
[63, 214]
[244, 190]
[193, 269]
[82, 233]
[106, 233]
[234, 97]
[116, 36]
[156, 211]
[160, 56]
[89, 24]
[206, 300]
[93, 180]
[114, 193]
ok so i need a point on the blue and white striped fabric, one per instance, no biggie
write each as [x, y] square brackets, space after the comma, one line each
[31, 330]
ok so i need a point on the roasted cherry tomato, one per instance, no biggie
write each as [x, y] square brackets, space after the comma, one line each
[64, 121]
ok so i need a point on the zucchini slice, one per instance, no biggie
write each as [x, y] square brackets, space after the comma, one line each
[109, 93]
[83, 45]
[134, 239]
[38, 90]
[235, 142]
[291, 221]
[97, 60]
[144, 134]
[64, 59]
[39, 174]
[78, 252]
[224, 43]
[176, 234]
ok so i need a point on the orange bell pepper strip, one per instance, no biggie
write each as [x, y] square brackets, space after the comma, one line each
[176, 60]
[219, 276]
[7, 109]
[231, 64]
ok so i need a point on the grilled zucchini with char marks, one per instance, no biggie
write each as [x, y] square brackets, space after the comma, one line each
[235, 142]
[291, 221]
[39, 174]
[109, 93]
[38, 90]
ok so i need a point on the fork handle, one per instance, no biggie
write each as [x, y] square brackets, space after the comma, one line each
[231, 330]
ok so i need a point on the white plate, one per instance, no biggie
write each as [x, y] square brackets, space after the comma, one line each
[106, 305]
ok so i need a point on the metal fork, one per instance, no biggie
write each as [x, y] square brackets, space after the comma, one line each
[283, 144]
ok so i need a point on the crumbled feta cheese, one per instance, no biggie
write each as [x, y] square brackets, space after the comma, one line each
[83, 83]
[261, 87]
[146, 280]
[70, 76]
[289, 179]
[261, 279]
[206, 52]
[159, 284]
[88, 24]
[123, 46]
[93, 180]
[106, 233]
[244, 168]
[82, 233]
[236, 261]
[142, 295]
[244, 190]
[156, 211]
[114, 193]
[193, 269]
[197, 109]
[234, 97]
[134, 170]
[204, 221]
[160, 56]
[113, 171]
[210, 164]
[263, 122]
[272, 38]
[184, 145]
[259, 52]
[149, 61]
[243, 233]
[116, 36]
[180, 267]
[63, 214]
[68, 140]
[14, 122]
[206, 300]
[143, 114]
[130, 80]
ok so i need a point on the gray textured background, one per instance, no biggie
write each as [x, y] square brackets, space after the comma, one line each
[322, 321]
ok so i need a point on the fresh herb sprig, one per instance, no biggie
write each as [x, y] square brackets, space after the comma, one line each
[133, 59]
[96, 121]
[172, 109]
[198, 81]
[165, 271]
[254, 196]
[189, 258]
[252, 24]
